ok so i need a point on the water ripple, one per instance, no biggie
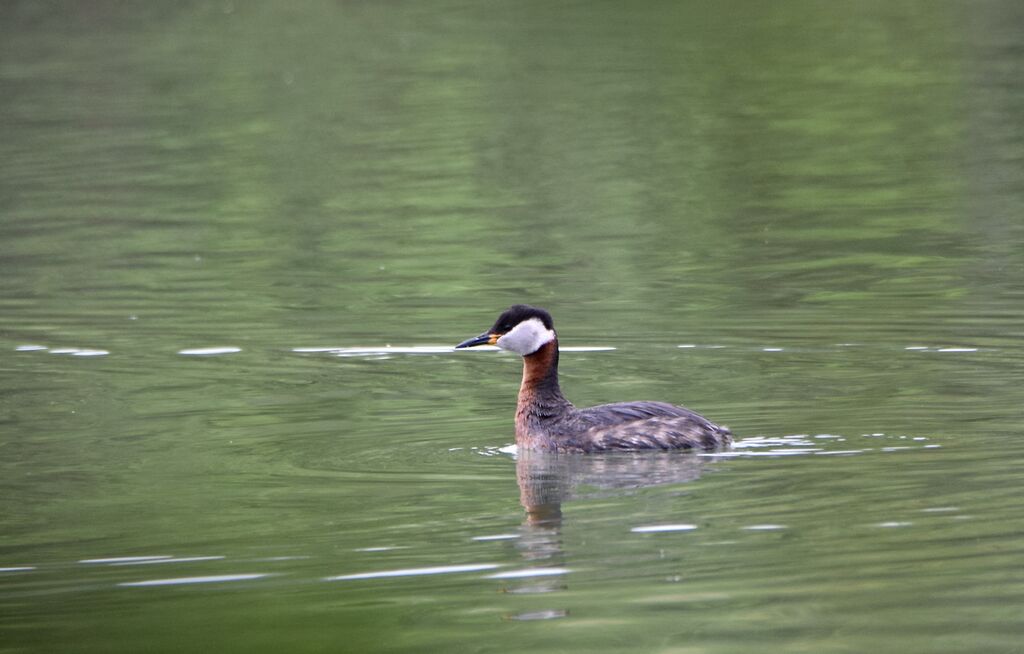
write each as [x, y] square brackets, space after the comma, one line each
[209, 351]
[126, 559]
[184, 559]
[802, 444]
[655, 529]
[415, 572]
[208, 579]
[530, 572]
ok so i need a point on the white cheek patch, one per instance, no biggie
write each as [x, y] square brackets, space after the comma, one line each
[527, 337]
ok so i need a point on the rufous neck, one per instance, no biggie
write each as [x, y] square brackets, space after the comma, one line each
[540, 369]
[539, 393]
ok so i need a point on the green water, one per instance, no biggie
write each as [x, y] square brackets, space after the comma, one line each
[804, 220]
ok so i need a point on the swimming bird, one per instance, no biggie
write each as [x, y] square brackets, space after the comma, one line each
[545, 420]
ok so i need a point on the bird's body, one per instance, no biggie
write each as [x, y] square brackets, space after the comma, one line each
[545, 420]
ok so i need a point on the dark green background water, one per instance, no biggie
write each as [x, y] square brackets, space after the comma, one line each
[823, 201]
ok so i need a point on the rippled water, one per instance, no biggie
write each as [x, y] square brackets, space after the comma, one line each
[240, 240]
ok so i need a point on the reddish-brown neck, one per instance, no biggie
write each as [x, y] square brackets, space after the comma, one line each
[540, 398]
[541, 368]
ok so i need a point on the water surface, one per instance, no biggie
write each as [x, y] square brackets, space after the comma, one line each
[240, 239]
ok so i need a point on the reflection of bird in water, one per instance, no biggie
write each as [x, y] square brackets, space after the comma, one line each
[545, 420]
[548, 479]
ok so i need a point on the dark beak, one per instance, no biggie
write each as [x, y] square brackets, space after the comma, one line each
[483, 339]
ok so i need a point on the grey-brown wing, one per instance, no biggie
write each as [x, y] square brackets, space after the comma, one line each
[649, 425]
[620, 412]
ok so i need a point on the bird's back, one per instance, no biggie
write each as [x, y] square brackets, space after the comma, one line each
[637, 425]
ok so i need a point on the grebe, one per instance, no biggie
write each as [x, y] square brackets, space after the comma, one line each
[545, 420]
